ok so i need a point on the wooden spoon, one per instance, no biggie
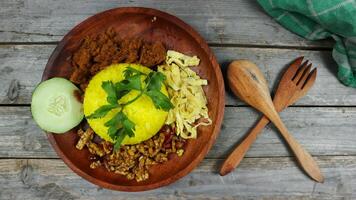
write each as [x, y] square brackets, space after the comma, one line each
[249, 84]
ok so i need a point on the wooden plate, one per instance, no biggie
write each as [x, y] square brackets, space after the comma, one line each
[151, 25]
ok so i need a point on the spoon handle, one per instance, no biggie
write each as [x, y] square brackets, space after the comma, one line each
[234, 159]
[303, 157]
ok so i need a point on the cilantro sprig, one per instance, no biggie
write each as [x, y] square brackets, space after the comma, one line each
[120, 125]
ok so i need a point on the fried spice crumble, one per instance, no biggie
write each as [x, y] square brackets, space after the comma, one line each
[96, 53]
[132, 161]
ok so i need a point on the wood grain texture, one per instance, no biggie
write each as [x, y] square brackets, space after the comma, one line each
[221, 22]
[327, 89]
[327, 131]
[322, 131]
[21, 67]
[257, 178]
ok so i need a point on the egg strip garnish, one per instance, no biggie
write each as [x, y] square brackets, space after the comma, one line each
[186, 93]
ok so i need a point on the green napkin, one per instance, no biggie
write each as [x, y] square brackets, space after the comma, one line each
[319, 19]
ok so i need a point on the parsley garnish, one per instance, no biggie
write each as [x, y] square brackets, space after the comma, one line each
[120, 125]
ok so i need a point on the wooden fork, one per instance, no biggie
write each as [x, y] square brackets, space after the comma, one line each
[295, 83]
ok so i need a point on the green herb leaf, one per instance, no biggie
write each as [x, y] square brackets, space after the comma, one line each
[110, 90]
[112, 132]
[154, 81]
[129, 71]
[102, 111]
[120, 125]
[122, 120]
[129, 127]
[120, 137]
[121, 93]
[130, 83]
[115, 121]
[160, 100]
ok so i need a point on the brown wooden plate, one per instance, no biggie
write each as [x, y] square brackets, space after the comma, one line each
[151, 25]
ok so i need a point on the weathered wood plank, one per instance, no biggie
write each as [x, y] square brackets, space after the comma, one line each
[256, 178]
[327, 89]
[21, 67]
[233, 21]
[322, 131]
[21, 70]
[20, 136]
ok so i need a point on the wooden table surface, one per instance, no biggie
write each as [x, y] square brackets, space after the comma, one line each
[324, 122]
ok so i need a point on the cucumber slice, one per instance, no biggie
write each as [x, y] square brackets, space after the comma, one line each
[54, 107]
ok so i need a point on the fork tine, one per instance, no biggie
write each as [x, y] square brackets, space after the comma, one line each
[305, 74]
[310, 80]
[296, 63]
[293, 68]
[300, 72]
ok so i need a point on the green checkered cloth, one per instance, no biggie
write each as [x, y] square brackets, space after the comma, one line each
[319, 19]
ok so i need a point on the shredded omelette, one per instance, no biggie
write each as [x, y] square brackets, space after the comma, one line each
[186, 93]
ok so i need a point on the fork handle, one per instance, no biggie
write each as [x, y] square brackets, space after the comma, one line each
[305, 160]
[303, 157]
[235, 157]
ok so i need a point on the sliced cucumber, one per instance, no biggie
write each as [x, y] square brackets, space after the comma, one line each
[55, 107]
